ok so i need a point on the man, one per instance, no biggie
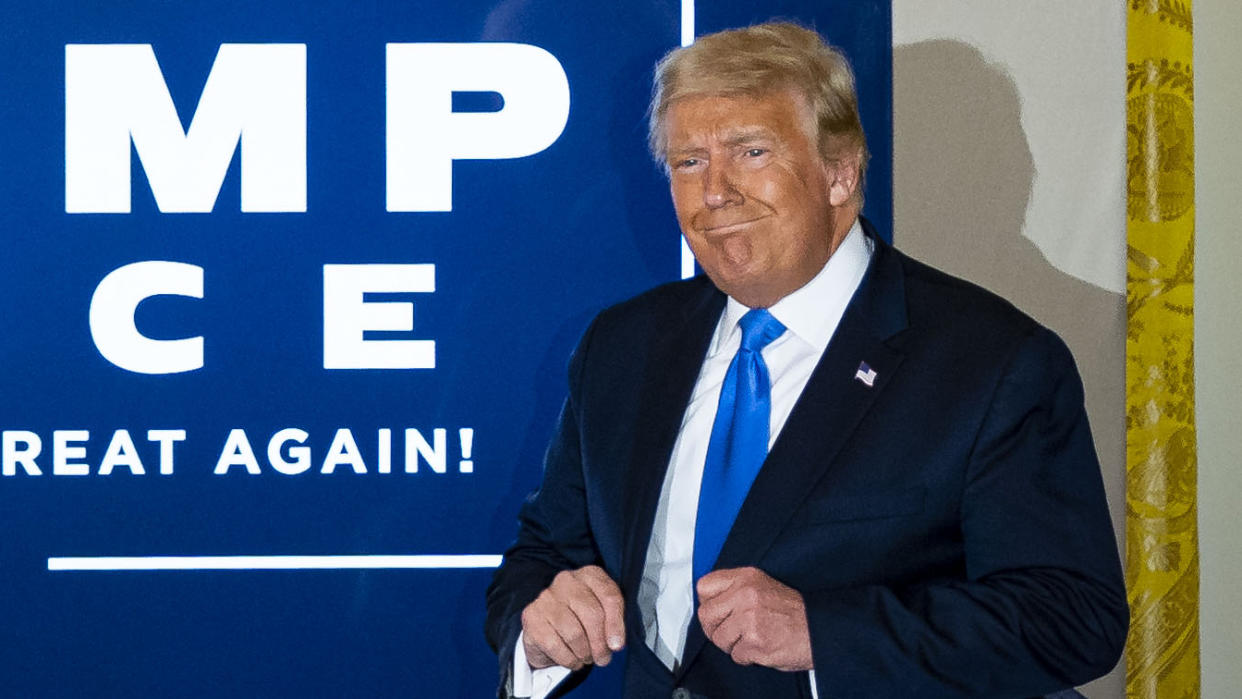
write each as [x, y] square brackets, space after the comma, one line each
[824, 469]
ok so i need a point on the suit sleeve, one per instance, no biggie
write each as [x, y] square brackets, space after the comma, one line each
[554, 535]
[1042, 604]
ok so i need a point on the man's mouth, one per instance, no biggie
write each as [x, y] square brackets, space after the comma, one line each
[729, 227]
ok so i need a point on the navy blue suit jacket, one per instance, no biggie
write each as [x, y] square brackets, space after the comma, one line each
[946, 526]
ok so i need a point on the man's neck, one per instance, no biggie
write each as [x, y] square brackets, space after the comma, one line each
[842, 221]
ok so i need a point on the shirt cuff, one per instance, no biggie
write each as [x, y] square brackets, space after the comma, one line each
[811, 675]
[537, 684]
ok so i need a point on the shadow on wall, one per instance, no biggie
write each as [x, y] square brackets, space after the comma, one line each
[962, 178]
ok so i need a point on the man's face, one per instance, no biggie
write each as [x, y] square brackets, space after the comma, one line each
[754, 199]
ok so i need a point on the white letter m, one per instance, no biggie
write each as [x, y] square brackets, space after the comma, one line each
[255, 95]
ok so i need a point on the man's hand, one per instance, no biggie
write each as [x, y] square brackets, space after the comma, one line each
[755, 619]
[576, 621]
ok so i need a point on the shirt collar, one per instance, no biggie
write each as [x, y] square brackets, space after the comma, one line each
[812, 312]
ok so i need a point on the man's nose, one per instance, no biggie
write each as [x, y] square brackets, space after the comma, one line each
[718, 188]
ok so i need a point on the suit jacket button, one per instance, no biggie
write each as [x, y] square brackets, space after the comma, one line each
[681, 693]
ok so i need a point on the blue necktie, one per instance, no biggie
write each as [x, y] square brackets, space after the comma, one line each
[739, 439]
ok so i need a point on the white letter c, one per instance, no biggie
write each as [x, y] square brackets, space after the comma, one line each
[112, 317]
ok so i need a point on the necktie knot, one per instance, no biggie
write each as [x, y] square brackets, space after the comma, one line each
[759, 329]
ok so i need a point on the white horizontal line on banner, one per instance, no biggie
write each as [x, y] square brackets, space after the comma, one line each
[85, 563]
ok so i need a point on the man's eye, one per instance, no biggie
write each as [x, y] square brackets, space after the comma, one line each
[688, 162]
[756, 152]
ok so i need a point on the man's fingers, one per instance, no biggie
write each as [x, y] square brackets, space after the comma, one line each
[590, 616]
[716, 604]
[755, 618]
[608, 595]
[577, 620]
[562, 655]
[712, 614]
[716, 582]
[544, 645]
[573, 638]
[726, 632]
[578, 589]
[553, 630]
[536, 657]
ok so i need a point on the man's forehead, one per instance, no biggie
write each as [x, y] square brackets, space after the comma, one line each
[730, 130]
[735, 118]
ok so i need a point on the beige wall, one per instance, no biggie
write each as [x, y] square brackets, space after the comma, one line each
[978, 170]
[1009, 174]
[1218, 338]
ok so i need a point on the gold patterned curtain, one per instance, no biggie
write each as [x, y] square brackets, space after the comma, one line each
[1162, 555]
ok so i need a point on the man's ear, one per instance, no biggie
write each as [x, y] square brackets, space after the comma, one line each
[842, 179]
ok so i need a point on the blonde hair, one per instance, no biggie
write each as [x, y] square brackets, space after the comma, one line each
[758, 60]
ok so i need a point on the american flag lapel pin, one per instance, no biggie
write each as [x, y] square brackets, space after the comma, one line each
[866, 374]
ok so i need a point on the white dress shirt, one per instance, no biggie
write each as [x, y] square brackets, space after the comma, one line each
[665, 595]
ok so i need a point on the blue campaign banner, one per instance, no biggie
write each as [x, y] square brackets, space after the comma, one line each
[286, 295]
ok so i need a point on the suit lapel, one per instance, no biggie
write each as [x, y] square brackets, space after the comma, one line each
[669, 376]
[823, 419]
